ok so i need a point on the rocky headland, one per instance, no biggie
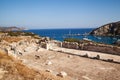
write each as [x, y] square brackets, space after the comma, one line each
[110, 29]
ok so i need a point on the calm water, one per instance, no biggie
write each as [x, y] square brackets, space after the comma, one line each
[61, 34]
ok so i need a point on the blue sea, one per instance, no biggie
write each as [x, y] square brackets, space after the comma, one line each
[61, 34]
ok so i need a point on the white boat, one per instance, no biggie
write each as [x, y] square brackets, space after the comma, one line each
[87, 39]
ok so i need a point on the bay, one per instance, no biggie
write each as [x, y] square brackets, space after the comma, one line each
[78, 33]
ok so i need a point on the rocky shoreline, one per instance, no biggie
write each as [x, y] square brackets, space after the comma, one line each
[110, 29]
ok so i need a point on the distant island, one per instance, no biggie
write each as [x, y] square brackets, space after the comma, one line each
[12, 28]
[110, 29]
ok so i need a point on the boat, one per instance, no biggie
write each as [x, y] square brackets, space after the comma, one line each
[87, 39]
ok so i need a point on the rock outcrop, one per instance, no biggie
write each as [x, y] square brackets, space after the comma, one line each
[111, 29]
[62, 74]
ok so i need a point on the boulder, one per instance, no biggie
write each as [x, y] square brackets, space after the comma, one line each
[70, 56]
[48, 70]
[62, 74]
[49, 63]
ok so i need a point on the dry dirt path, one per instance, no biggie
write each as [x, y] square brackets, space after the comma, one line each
[89, 53]
[78, 68]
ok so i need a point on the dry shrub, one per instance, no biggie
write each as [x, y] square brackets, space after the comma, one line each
[11, 39]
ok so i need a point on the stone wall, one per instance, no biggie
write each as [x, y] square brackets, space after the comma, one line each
[93, 47]
[71, 45]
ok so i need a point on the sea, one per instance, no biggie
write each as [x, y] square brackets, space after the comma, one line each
[78, 33]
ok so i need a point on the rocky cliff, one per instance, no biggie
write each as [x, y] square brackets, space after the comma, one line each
[110, 29]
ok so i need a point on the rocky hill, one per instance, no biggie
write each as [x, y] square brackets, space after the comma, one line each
[110, 29]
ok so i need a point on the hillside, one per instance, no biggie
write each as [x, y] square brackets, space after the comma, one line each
[110, 29]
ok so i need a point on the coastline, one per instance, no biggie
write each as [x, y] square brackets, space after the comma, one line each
[61, 34]
[44, 54]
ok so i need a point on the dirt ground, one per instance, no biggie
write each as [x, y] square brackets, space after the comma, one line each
[77, 68]
[13, 69]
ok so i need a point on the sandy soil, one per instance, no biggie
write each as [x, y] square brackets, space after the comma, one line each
[77, 68]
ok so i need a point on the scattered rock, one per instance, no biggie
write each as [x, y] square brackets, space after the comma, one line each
[86, 55]
[70, 56]
[49, 63]
[86, 78]
[38, 49]
[48, 70]
[20, 53]
[62, 74]
[98, 56]
[37, 57]
[110, 60]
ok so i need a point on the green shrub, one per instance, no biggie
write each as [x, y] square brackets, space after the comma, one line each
[20, 33]
[72, 40]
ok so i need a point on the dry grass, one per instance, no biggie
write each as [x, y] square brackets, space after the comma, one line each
[11, 39]
[17, 71]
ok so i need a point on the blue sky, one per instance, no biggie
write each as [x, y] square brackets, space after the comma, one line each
[40, 14]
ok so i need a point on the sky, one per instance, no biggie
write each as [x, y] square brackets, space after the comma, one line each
[47, 14]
